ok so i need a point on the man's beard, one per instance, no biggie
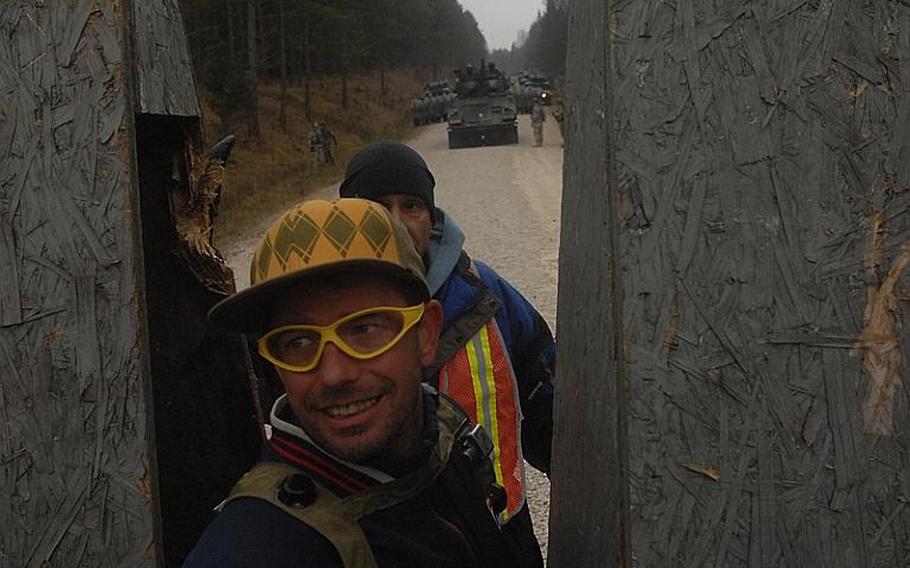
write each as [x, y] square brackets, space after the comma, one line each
[402, 431]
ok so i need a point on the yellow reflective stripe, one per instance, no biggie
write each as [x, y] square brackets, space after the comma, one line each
[478, 391]
[491, 404]
[482, 395]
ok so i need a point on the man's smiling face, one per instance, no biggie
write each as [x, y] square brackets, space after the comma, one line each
[359, 409]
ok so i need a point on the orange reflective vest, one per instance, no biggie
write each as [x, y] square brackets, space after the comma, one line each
[480, 378]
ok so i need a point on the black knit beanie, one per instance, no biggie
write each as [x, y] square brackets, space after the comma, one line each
[389, 167]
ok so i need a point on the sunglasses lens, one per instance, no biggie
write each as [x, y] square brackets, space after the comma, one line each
[294, 347]
[371, 332]
[364, 334]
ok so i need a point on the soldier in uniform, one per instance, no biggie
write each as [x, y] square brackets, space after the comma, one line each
[316, 147]
[538, 116]
[559, 115]
[417, 111]
[328, 140]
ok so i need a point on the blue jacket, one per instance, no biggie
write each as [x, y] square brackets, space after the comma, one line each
[527, 336]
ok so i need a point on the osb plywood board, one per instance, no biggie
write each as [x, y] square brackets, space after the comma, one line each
[73, 422]
[749, 160]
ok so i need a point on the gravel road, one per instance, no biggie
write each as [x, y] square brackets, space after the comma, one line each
[507, 201]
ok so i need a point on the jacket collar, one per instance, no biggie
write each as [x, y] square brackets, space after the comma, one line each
[446, 242]
[287, 439]
[293, 444]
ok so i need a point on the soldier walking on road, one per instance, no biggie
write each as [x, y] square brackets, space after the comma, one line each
[328, 139]
[321, 140]
[538, 115]
[316, 147]
[559, 115]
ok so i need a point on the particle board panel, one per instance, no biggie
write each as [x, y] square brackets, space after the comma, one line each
[758, 307]
[106, 358]
[163, 63]
[76, 478]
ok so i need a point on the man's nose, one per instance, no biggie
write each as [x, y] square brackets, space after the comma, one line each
[336, 367]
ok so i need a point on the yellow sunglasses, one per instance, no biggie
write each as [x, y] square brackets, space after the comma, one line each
[363, 334]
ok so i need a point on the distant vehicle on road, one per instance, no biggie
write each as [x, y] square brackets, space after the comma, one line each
[483, 112]
[530, 85]
[433, 105]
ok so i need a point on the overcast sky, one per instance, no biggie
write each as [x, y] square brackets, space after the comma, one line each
[500, 20]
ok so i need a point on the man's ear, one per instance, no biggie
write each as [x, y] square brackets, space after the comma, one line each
[428, 332]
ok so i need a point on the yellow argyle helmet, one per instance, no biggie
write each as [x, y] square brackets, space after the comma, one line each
[317, 238]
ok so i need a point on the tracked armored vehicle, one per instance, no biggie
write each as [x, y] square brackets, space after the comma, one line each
[529, 86]
[433, 105]
[483, 112]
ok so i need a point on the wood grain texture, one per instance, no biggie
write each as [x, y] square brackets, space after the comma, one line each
[165, 70]
[588, 496]
[759, 157]
[106, 357]
[73, 406]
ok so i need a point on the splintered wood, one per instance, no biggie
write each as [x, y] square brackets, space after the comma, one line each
[194, 200]
[879, 341]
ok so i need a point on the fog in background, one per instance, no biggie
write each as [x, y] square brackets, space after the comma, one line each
[500, 21]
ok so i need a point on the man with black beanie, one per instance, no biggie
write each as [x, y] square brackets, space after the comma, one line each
[496, 355]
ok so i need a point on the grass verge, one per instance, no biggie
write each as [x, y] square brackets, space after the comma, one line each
[265, 175]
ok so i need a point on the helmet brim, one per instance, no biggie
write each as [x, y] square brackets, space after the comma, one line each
[250, 310]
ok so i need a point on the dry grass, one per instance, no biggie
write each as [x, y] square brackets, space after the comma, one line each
[266, 175]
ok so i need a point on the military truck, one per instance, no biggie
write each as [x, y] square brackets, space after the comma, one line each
[483, 112]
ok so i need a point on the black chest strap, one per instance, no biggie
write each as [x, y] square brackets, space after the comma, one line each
[337, 518]
[461, 330]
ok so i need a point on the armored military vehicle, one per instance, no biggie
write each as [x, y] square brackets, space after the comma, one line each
[433, 105]
[483, 112]
[529, 86]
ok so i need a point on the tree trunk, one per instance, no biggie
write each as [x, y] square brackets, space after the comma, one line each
[252, 80]
[307, 107]
[260, 33]
[283, 103]
[382, 92]
[296, 54]
[344, 87]
[229, 12]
